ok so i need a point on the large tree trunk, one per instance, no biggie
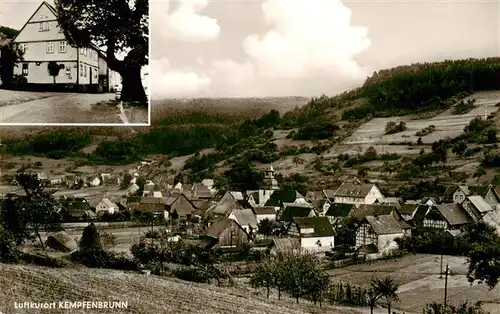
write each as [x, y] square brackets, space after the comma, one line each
[132, 88]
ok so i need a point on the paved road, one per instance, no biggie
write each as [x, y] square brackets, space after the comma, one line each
[67, 108]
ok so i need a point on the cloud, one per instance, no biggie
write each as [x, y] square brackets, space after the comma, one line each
[186, 24]
[171, 83]
[307, 41]
[309, 49]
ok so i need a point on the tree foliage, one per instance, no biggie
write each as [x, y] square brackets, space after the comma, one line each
[11, 54]
[118, 25]
[26, 217]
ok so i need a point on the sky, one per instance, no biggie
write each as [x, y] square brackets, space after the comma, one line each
[259, 48]
[244, 48]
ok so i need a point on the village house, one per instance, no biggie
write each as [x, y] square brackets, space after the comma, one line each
[285, 196]
[224, 208]
[353, 193]
[181, 207]
[231, 195]
[79, 208]
[262, 213]
[321, 206]
[316, 234]
[132, 189]
[290, 212]
[430, 200]
[407, 211]
[380, 231]
[227, 233]
[201, 191]
[42, 41]
[95, 181]
[154, 205]
[106, 206]
[246, 219]
[338, 212]
[476, 207]
[450, 216]
[458, 193]
[315, 195]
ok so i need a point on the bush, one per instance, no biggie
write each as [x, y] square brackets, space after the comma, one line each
[316, 131]
[43, 260]
[463, 107]
[8, 249]
[392, 127]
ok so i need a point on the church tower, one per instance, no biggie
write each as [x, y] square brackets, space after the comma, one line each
[269, 182]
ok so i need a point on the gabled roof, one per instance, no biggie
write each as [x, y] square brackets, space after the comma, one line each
[408, 209]
[107, 202]
[321, 226]
[283, 196]
[236, 195]
[319, 203]
[339, 210]
[51, 9]
[450, 190]
[266, 210]
[480, 203]
[218, 227]
[63, 240]
[371, 210]
[245, 217]
[349, 189]
[182, 206]
[202, 191]
[384, 224]
[313, 195]
[225, 207]
[480, 190]
[295, 211]
[330, 194]
[420, 212]
[454, 213]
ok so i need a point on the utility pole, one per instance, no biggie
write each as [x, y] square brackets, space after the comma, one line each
[446, 286]
[441, 266]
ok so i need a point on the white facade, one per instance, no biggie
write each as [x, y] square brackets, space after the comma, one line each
[385, 240]
[317, 244]
[373, 195]
[106, 206]
[42, 41]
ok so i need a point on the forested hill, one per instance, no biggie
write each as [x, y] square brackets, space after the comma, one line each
[407, 89]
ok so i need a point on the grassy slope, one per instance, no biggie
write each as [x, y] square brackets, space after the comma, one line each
[144, 294]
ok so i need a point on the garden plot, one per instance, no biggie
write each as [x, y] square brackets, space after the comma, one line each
[446, 124]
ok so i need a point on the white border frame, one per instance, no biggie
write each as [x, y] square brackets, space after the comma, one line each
[149, 93]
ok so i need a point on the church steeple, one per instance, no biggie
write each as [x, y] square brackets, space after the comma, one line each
[269, 182]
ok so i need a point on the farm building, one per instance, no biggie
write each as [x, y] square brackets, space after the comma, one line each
[226, 233]
[380, 231]
[458, 193]
[451, 216]
[61, 241]
[339, 211]
[231, 195]
[154, 205]
[225, 208]
[291, 212]
[42, 41]
[245, 218]
[181, 207]
[315, 233]
[284, 196]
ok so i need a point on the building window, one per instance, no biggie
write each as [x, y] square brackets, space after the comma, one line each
[62, 46]
[23, 47]
[95, 73]
[81, 69]
[44, 27]
[84, 50]
[25, 69]
[50, 47]
[84, 71]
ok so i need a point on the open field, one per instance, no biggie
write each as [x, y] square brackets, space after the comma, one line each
[418, 277]
[446, 124]
[144, 294]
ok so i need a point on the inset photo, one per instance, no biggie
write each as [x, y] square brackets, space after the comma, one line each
[68, 62]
